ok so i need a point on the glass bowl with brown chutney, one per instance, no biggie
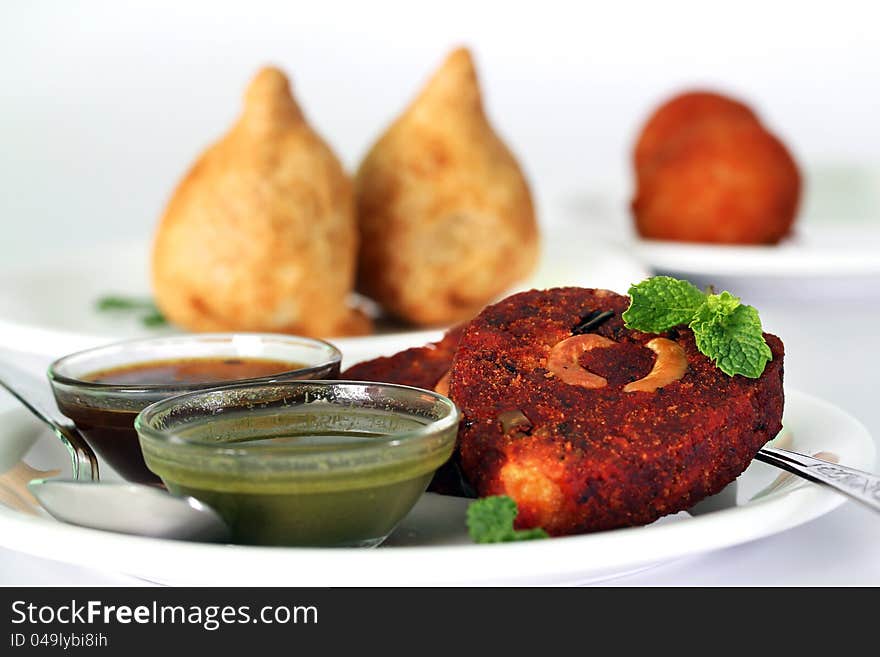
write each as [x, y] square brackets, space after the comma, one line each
[103, 389]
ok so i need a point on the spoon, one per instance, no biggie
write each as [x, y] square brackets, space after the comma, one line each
[37, 397]
[121, 507]
[130, 509]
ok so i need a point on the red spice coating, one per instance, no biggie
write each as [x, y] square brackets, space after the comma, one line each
[420, 367]
[596, 459]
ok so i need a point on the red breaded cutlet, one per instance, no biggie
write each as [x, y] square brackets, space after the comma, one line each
[420, 367]
[580, 459]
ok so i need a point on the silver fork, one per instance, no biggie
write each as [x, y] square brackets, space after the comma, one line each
[861, 486]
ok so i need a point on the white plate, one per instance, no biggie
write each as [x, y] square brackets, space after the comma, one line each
[47, 306]
[431, 547]
[814, 252]
[836, 235]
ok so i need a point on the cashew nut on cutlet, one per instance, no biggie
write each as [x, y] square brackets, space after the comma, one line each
[563, 360]
[670, 364]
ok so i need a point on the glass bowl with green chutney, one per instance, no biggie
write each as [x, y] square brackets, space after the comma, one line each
[304, 463]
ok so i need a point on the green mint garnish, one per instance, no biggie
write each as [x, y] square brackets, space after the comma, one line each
[490, 520]
[736, 342]
[662, 302]
[726, 330]
[150, 315]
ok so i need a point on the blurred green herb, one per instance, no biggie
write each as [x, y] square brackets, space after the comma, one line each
[148, 313]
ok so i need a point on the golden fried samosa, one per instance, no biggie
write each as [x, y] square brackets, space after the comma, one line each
[445, 214]
[260, 235]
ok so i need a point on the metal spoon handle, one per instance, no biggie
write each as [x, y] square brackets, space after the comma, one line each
[861, 486]
[37, 397]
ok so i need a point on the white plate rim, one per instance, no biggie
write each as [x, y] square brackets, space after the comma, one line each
[754, 261]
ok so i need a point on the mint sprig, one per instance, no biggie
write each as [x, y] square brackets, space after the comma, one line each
[726, 330]
[490, 520]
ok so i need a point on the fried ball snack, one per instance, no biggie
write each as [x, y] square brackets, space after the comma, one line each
[260, 235]
[725, 182]
[681, 114]
[605, 429]
[445, 213]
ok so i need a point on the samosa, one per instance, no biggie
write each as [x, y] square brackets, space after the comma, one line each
[445, 214]
[260, 235]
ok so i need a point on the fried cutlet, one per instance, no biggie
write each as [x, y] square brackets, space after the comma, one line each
[593, 432]
[420, 367]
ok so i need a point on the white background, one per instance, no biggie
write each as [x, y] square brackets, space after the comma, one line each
[103, 105]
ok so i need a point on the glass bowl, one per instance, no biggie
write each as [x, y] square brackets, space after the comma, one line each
[320, 463]
[105, 412]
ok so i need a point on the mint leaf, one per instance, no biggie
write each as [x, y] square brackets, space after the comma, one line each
[715, 310]
[490, 520]
[725, 330]
[719, 305]
[731, 338]
[659, 303]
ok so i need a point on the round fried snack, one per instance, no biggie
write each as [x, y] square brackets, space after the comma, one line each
[665, 429]
[260, 235]
[726, 181]
[445, 213]
[681, 114]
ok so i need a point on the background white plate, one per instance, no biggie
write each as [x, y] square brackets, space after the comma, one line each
[47, 305]
[813, 252]
[431, 547]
